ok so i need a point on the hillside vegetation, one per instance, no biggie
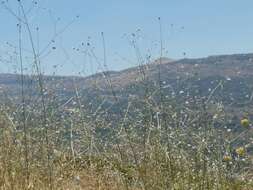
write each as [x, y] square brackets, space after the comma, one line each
[130, 129]
[162, 125]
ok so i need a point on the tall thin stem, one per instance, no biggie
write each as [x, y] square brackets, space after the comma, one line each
[23, 102]
[160, 62]
[41, 86]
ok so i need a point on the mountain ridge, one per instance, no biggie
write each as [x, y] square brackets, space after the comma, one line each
[236, 72]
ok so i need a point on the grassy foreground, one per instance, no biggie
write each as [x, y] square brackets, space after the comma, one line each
[134, 162]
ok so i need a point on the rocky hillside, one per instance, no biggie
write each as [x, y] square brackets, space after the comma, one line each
[226, 78]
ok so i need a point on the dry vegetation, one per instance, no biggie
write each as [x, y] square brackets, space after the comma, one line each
[140, 155]
[153, 142]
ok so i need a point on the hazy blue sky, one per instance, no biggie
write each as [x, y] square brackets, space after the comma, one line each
[197, 27]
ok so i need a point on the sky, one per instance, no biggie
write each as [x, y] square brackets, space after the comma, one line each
[67, 35]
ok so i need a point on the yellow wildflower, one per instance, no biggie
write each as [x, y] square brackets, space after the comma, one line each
[245, 122]
[227, 158]
[240, 151]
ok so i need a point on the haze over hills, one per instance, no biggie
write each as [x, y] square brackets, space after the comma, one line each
[182, 79]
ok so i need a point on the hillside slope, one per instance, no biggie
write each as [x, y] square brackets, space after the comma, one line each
[227, 78]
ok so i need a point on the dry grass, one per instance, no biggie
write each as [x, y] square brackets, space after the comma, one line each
[150, 141]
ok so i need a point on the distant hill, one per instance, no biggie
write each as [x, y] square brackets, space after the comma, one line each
[225, 78]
